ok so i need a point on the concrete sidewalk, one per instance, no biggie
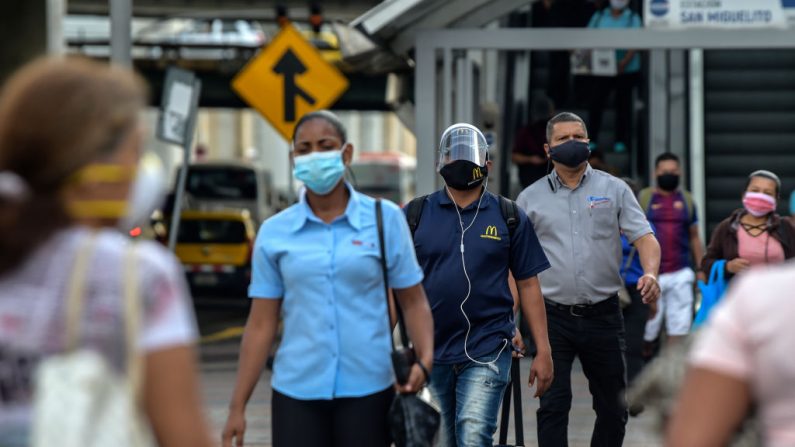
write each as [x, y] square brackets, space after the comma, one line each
[218, 375]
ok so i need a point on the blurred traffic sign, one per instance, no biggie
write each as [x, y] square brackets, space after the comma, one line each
[288, 79]
[180, 103]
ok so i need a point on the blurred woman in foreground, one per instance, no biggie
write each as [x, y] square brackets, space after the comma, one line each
[742, 359]
[70, 145]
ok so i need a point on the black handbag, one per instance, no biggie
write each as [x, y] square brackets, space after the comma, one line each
[413, 418]
[515, 388]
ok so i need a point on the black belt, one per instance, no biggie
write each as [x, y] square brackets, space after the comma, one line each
[606, 307]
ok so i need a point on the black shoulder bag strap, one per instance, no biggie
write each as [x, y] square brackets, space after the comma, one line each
[514, 387]
[402, 358]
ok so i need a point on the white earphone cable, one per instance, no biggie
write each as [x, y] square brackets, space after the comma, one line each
[466, 274]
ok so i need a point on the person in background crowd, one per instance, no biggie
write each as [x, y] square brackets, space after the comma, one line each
[70, 145]
[672, 212]
[792, 204]
[528, 146]
[742, 363]
[468, 251]
[636, 312]
[559, 14]
[578, 213]
[755, 234]
[617, 15]
[597, 161]
[317, 265]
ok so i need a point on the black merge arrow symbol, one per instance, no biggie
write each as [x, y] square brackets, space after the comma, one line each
[290, 66]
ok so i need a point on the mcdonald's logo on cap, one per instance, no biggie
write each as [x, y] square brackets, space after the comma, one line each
[491, 233]
[476, 173]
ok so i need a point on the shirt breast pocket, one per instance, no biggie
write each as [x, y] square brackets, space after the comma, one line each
[604, 222]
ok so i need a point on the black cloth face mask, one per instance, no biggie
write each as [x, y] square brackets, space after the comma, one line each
[668, 182]
[571, 153]
[463, 175]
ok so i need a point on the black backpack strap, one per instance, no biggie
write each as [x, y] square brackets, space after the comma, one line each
[414, 212]
[510, 212]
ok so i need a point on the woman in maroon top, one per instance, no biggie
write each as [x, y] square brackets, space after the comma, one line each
[755, 234]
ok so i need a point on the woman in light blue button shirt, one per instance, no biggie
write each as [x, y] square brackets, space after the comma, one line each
[317, 264]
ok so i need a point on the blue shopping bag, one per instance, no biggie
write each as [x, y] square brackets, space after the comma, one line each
[711, 292]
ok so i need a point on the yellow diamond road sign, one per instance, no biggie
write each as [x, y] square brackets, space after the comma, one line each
[287, 80]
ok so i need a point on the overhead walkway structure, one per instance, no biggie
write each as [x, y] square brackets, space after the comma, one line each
[453, 55]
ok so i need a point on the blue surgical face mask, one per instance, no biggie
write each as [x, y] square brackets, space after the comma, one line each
[319, 171]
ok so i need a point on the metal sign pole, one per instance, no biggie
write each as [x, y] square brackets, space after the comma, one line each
[177, 124]
[121, 32]
[176, 213]
[179, 198]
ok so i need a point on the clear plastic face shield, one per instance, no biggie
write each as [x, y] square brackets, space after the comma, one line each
[462, 142]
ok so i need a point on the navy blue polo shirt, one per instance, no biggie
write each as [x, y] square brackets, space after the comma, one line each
[489, 252]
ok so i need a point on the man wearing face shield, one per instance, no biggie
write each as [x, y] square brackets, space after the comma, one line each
[579, 214]
[468, 242]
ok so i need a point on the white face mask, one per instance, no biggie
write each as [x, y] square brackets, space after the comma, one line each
[619, 4]
[146, 192]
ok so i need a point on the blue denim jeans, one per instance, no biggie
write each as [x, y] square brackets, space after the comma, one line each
[469, 395]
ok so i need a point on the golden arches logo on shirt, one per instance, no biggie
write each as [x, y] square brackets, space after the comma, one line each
[491, 233]
[476, 173]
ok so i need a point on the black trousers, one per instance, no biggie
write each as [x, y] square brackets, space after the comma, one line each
[635, 317]
[601, 87]
[343, 422]
[599, 343]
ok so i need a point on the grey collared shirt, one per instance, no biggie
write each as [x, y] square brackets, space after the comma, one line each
[579, 231]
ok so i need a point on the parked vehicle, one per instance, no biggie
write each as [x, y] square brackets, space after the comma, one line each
[228, 185]
[386, 175]
[215, 250]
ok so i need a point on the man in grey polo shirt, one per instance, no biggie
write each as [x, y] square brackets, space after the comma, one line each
[578, 214]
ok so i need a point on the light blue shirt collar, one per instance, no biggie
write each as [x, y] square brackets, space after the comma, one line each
[352, 213]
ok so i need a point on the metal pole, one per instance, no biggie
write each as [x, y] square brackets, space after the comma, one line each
[505, 93]
[637, 38]
[56, 11]
[658, 110]
[677, 108]
[176, 213]
[461, 92]
[469, 89]
[447, 83]
[121, 32]
[425, 100]
[697, 147]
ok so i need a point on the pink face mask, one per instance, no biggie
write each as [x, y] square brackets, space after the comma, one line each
[759, 204]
